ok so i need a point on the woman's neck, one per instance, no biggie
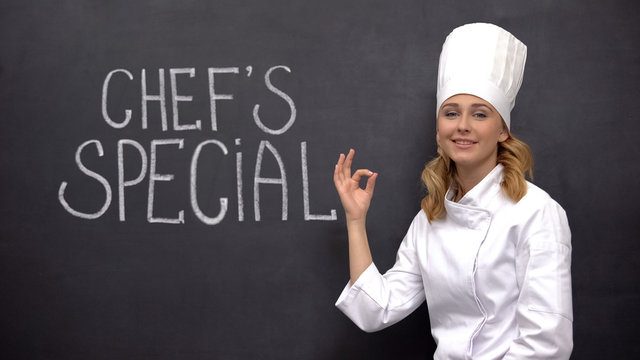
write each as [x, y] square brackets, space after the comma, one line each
[468, 178]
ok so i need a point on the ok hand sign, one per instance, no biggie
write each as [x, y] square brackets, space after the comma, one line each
[355, 200]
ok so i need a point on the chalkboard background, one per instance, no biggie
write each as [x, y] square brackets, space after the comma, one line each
[360, 74]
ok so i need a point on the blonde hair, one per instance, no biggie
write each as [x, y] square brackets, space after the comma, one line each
[440, 174]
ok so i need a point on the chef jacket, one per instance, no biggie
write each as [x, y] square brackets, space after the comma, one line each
[496, 276]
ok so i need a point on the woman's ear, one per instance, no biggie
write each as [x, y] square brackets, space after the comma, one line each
[504, 133]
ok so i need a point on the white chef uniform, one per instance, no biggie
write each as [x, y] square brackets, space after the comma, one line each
[495, 274]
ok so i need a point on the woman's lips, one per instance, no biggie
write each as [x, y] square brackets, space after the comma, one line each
[463, 143]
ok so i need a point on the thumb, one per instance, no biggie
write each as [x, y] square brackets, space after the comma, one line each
[371, 184]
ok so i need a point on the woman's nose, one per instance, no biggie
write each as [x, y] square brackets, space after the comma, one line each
[464, 123]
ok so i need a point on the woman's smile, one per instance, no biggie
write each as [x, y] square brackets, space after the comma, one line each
[463, 143]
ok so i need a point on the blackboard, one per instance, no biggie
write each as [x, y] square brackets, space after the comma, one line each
[144, 262]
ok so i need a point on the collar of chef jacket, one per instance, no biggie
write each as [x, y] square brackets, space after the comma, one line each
[472, 210]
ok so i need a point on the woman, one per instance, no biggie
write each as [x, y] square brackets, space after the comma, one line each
[489, 251]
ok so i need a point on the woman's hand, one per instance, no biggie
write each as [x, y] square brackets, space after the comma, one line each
[355, 200]
[356, 203]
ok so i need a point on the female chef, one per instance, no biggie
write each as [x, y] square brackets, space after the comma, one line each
[489, 251]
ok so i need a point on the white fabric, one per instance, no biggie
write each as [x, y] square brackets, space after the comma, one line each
[482, 60]
[496, 276]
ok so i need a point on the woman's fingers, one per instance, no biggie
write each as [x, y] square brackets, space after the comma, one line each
[343, 166]
[340, 160]
[371, 184]
[360, 173]
[346, 168]
[337, 173]
[342, 172]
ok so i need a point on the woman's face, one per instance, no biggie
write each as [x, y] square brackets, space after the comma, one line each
[469, 129]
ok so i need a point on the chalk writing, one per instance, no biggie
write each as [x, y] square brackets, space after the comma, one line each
[149, 160]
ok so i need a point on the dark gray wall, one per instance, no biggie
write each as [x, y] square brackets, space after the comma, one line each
[363, 75]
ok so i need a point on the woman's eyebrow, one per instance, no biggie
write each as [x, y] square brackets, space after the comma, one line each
[481, 105]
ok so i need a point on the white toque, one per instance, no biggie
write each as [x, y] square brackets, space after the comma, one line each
[482, 60]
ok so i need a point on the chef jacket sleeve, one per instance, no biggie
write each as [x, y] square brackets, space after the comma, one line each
[377, 301]
[543, 265]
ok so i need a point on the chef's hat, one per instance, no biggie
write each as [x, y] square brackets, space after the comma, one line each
[482, 60]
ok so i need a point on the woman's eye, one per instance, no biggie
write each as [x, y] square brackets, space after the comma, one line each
[451, 114]
[480, 115]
